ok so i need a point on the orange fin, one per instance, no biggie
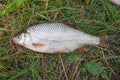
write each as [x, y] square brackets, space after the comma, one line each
[59, 52]
[82, 49]
[39, 45]
[68, 24]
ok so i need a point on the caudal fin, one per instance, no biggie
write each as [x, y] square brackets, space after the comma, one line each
[106, 41]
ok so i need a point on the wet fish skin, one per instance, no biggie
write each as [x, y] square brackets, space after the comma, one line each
[54, 38]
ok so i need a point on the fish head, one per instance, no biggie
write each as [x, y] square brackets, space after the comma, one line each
[22, 39]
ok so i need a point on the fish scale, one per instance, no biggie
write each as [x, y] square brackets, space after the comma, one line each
[62, 31]
[54, 27]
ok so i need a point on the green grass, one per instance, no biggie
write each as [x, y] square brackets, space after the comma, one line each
[96, 17]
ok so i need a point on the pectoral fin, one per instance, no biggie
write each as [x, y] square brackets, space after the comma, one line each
[39, 45]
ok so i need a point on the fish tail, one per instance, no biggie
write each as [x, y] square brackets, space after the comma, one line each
[106, 41]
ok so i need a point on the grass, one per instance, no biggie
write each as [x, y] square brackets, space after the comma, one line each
[96, 17]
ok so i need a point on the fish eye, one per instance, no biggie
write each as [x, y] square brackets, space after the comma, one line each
[19, 38]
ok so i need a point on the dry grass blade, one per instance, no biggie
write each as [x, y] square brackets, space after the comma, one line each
[63, 67]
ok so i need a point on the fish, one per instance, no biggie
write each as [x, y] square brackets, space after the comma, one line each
[117, 2]
[57, 38]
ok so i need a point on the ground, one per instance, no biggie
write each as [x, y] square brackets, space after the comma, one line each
[96, 17]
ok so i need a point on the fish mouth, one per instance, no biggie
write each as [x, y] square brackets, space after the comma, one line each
[14, 43]
[13, 40]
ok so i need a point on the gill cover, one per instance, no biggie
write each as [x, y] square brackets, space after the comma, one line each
[27, 38]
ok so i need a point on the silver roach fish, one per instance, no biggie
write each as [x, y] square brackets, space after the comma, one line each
[117, 2]
[57, 38]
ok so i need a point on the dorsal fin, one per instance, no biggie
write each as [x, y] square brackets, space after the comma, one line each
[69, 24]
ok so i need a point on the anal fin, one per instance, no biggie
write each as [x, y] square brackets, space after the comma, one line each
[82, 49]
